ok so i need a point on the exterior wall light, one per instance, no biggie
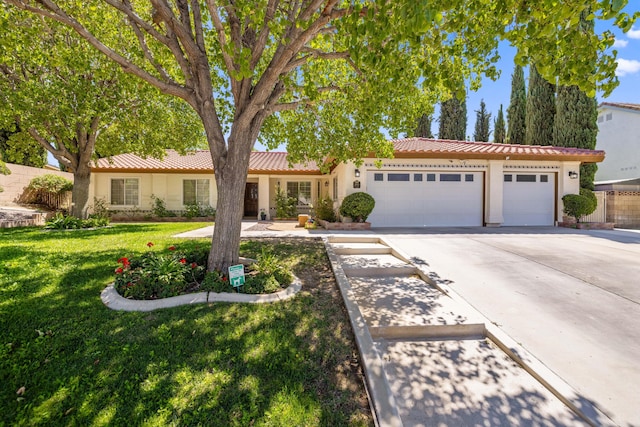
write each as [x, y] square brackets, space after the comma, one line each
[357, 173]
[326, 183]
[573, 174]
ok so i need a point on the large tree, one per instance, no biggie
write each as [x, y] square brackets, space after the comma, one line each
[21, 154]
[541, 109]
[500, 131]
[517, 110]
[322, 76]
[453, 119]
[62, 95]
[483, 123]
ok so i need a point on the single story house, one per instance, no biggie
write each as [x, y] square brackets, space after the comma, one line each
[427, 183]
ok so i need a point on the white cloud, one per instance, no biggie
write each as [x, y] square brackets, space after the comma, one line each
[633, 33]
[620, 43]
[627, 66]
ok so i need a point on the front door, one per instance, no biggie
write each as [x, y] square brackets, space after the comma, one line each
[251, 199]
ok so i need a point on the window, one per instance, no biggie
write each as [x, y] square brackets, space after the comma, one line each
[124, 192]
[398, 177]
[468, 177]
[450, 177]
[525, 178]
[335, 188]
[378, 177]
[417, 177]
[195, 191]
[609, 116]
[301, 191]
[431, 177]
[544, 178]
[600, 119]
[508, 178]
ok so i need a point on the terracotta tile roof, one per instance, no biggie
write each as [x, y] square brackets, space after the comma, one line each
[442, 148]
[626, 105]
[199, 161]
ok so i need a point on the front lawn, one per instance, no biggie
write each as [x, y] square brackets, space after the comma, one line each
[66, 359]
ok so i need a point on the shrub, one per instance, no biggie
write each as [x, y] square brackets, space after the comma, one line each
[358, 206]
[579, 205]
[64, 222]
[324, 209]
[100, 208]
[159, 209]
[49, 190]
[193, 210]
[286, 207]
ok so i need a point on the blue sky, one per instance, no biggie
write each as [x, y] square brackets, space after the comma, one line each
[499, 92]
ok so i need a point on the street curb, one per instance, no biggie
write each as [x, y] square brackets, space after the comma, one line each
[113, 300]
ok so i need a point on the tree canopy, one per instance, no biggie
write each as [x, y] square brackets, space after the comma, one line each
[62, 95]
[483, 123]
[453, 119]
[541, 109]
[324, 76]
[423, 128]
[500, 132]
[517, 110]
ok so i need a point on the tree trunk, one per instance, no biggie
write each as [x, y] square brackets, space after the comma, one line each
[231, 177]
[80, 193]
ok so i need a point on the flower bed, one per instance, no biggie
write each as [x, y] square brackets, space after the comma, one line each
[344, 225]
[180, 270]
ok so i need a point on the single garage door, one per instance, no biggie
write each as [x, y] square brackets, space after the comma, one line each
[529, 198]
[426, 199]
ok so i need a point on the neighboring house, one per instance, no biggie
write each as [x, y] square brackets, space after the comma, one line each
[427, 183]
[619, 136]
[619, 175]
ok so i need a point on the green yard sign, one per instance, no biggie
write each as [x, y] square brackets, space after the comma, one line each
[236, 275]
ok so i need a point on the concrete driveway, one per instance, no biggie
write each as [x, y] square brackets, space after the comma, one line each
[570, 297]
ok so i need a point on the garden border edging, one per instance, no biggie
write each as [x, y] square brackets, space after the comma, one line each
[113, 300]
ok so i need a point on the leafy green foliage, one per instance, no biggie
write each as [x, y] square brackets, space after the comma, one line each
[579, 205]
[541, 109]
[81, 363]
[51, 183]
[159, 208]
[286, 206]
[517, 110]
[358, 206]
[483, 123]
[453, 119]
[194, 210]
[499, 134]
[17, 151]
[68, 222]
[324, 209]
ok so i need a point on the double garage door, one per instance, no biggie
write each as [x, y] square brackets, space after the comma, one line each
[450, 199]
[432, 199]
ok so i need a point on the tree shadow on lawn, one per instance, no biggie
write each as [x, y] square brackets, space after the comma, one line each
[217, 364]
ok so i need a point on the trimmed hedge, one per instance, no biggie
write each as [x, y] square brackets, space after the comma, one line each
[358, 206]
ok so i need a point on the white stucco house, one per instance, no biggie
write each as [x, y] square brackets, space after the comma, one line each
[619, 136]
[427, 183]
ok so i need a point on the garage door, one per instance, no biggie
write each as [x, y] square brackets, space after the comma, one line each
[419, 199]
[529, 198]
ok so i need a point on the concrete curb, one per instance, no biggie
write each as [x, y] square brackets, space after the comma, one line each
[384, 406]
[113, 300]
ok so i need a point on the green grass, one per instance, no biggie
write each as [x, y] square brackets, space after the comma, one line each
[66, 359]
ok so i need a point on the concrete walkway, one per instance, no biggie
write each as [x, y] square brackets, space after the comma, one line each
[431, 359]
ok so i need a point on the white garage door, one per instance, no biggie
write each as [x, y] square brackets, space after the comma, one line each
[529, 198]
[419, 199]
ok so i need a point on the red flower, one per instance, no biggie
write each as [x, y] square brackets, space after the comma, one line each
[150, 244]
[194, 265]
[224, 279]
[119, 270]
[172, 248]
[183, 260]
[125, 261]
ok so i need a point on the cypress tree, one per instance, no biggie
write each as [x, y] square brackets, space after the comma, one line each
[483, 123]
[541, 109]
[516, 113]
[499, 126]
[453, 119]
[423, 129]
[576, 126]
[576, 123]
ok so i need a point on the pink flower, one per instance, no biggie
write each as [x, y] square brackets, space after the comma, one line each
[172, 248]
[150, 244]
[119, 270]
[183, 260]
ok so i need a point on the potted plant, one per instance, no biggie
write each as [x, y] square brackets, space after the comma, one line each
[263, 215]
